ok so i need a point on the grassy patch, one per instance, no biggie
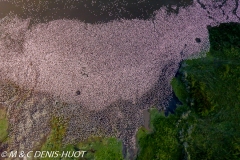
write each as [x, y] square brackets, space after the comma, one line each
[3, 124]
[97, 148]
[54, 140]
[162, 143]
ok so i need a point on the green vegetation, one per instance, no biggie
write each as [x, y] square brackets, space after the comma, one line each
[97, 147]
[163, 142]
[3, 124]
[54, 141]
[207, 124]
[102, 148]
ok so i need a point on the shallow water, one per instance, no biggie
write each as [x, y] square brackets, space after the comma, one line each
[89, 11]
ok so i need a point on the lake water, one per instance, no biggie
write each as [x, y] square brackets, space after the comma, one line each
[89, 11]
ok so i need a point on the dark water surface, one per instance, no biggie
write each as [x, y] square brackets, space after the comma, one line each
[174, 101]
[89, 11]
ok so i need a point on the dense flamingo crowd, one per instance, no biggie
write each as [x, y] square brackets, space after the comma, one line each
[106, 73]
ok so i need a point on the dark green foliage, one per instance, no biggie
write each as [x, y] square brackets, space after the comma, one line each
[101, 148]
[180, 89]
[199, 98]
[223, 38]
[207, 125]
[163, 142]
